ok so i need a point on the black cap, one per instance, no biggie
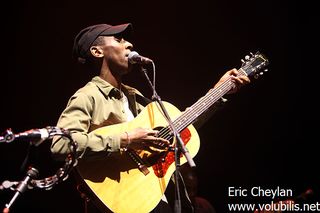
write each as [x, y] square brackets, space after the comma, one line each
[85, 38]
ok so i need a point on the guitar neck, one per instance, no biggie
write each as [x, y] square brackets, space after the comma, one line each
[204, 103]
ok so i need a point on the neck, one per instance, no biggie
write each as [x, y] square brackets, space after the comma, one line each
[110, 78]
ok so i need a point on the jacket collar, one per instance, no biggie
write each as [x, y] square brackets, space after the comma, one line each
[110, 91]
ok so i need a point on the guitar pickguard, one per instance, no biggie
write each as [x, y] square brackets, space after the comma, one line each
[161, 167]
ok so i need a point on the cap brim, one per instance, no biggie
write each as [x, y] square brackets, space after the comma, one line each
[117, 29]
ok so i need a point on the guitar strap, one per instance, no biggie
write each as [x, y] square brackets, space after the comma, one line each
[136, 98]
[142, 100]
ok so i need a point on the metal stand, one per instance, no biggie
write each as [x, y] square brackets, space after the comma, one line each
[36, 137]
[32, 173]
[179, 145]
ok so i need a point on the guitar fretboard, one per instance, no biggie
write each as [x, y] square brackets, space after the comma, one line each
[204, 103]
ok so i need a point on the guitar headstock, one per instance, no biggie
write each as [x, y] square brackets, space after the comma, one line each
[252, 65]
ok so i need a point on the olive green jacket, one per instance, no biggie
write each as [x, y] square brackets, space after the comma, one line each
[99, 104]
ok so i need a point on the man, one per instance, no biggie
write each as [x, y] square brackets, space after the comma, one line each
[106, 101]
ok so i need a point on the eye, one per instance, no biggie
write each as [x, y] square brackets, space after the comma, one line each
[118, 39]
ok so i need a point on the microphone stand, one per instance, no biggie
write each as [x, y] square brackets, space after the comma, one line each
[179, 145]
[29, 180]
[22, 187]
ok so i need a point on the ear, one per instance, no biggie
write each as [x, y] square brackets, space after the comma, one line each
[96, 51]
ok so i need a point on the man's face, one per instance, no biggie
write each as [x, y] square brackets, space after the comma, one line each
[116, 51]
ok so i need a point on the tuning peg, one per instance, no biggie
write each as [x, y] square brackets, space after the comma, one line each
[265, 70]
[251, 54]
[243, 61]
[247, 57]
[261, 73]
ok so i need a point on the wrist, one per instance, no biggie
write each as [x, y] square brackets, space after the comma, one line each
[125, 141]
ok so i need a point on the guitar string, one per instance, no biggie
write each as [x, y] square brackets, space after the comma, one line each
[211, 98]
[194, 111]
[200, 107]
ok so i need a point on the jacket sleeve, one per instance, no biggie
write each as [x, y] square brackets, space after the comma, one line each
[77, 119]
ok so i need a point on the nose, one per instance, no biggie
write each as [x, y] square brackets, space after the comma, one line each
[129, 45]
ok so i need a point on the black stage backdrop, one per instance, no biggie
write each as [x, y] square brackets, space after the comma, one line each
[266, 136]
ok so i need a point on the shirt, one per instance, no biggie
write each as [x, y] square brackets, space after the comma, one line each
[126, 107]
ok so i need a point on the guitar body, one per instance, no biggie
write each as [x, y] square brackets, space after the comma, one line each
[116, 180]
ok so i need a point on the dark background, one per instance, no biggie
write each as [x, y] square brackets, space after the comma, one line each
[266, 135]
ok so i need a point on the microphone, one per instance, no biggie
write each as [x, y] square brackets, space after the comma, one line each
[135, 58]
[37, 136]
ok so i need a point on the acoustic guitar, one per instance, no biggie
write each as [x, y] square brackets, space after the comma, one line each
[135, 181]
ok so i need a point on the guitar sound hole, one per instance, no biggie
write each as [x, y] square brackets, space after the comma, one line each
[165, 132]
[154, 157]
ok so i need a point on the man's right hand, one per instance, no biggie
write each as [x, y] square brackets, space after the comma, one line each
[144, 139]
